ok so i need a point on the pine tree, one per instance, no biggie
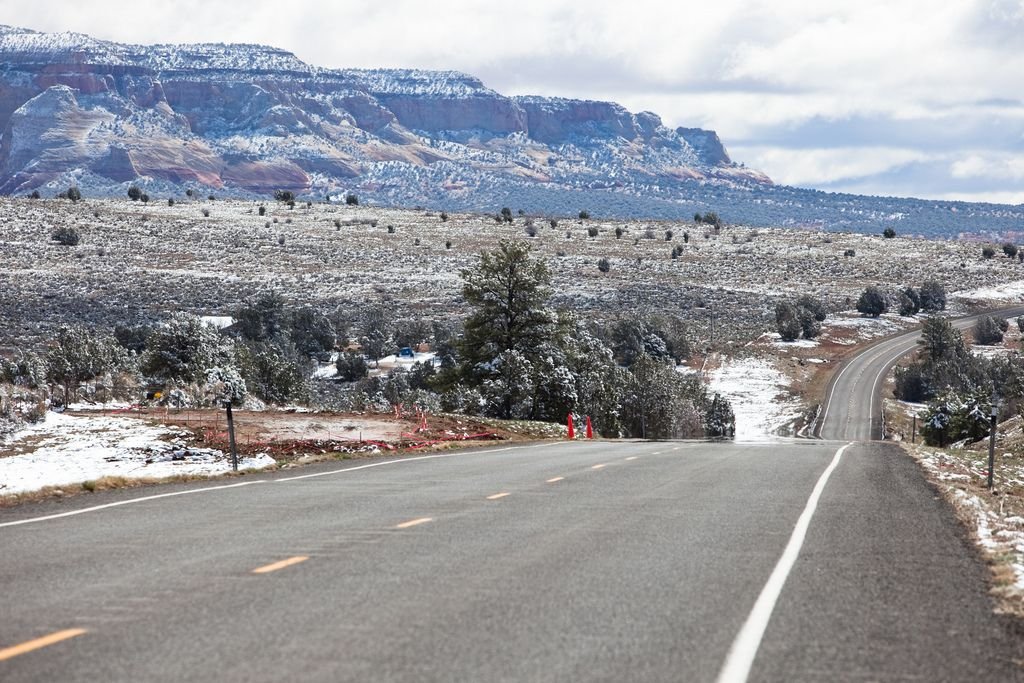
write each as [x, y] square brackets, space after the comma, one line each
[721, 421]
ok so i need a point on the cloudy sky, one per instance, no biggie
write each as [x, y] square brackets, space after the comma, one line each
[894, 97]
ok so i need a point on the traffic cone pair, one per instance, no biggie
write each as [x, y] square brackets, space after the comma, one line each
[572, 430]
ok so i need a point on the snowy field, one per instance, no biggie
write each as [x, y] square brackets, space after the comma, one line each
[71, 449]
[1010, 291]
[338, 257]
[759, 395]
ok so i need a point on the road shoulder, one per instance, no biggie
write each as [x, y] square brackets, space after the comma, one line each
[887, 580]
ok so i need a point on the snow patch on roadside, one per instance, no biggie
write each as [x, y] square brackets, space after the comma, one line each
[760, 397]
[864, 327]
[996, 534]
[69, 449]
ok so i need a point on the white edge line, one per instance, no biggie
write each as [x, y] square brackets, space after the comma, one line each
[96, 508]
[832, 391]
[744, 649]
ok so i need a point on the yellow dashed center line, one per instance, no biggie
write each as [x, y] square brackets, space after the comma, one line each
[266, 569]
[15, 650]
[496, 496]
[598, 467]
[554, 479]
[414, 522]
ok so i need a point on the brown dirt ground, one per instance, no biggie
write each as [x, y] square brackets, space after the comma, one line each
[290, 435]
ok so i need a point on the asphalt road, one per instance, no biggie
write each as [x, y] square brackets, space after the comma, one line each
[604, 562]
[853, 407]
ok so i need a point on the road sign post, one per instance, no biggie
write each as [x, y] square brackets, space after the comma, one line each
[231, 438]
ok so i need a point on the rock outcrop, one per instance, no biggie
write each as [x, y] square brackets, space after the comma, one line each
[248, 119]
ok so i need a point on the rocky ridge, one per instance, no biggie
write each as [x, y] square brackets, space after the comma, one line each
[249, 119]
[245, 120]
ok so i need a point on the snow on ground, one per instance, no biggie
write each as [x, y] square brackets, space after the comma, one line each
[776, 341]
[70, 449]
[865, 327]
[759, 395]
[388, 363]
[218, 321]
[1010, 291]
[406, 361]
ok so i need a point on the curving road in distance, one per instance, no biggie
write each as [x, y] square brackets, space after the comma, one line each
[852, 410]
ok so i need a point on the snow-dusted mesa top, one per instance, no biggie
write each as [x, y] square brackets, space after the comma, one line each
[32, 46]
[223, 57]
[452, 84]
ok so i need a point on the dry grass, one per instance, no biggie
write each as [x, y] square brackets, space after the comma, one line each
[995, 520]
[104, 484]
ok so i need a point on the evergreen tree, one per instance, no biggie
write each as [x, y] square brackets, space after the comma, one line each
[271, 373]
[910, 302]
[79, 355]
[508, 292]
[988, 331]
[872, 302]
[377, 339]
[933, 296]
[184, 349]
[263, 318]
[721, 421]
[787, 321]
[311, 332]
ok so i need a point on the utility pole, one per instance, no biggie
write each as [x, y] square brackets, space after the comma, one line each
[992, 440]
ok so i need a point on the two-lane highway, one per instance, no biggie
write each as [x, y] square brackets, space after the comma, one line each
[617, 561]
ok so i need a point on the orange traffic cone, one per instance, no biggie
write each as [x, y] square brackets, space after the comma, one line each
[590, 430]
[572, 432]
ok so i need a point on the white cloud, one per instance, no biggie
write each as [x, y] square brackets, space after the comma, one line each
[810, 167]
[1002, 166]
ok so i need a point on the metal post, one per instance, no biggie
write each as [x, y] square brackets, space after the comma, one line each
[913, 433]
[992, 442]
[712, 324]
[231, 438]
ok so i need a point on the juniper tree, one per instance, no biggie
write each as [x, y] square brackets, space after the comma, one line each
[183, 349]
[67, 236]
[988, 331]
[872, 302]
[933, 296]
[721, 420]
[272, 372]
[910, 302]
[263, 318]
[79, 355]
[508, 291]
[311, 331]
[787, 321]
